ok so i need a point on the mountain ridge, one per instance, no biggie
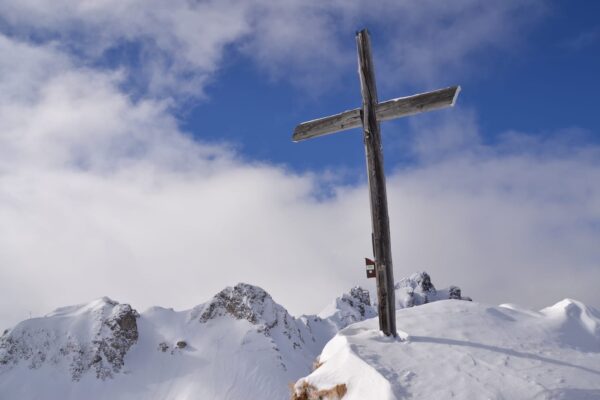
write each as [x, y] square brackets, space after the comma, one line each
[239, 344]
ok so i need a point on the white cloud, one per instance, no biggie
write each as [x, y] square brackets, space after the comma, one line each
[102, 194]
[178, 46]
[515, 227]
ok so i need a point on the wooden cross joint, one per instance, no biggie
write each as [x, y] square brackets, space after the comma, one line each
[390, 109]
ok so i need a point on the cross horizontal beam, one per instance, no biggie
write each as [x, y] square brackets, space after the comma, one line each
[395, 108]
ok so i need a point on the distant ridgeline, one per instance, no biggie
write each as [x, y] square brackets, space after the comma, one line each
[240, 344]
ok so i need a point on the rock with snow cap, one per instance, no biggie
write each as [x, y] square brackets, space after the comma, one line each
[255, 305]
[418, 289]
[351, 307]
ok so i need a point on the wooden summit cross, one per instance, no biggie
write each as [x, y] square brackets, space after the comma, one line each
[369, 116]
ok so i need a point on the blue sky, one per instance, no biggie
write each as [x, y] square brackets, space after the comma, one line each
[543, 82]
[145, 150]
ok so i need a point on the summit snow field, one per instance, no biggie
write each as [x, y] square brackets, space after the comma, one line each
[466, 350]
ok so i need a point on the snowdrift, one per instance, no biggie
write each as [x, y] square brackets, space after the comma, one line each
[466, 350]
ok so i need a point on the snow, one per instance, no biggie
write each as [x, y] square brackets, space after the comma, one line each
[241, 344]
[468, 350]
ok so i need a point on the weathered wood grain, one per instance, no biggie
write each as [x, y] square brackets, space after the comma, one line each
[325, 126]
[391, 109]
[386, 299]
[411, 105]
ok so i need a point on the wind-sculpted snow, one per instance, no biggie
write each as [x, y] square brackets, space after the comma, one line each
[466, 350]
[576, 324]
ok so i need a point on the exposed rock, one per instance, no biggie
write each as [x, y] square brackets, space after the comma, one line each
[349, 308]
[241, 302]
[454, 293]
[112, 345]
[162, 346]
[359, 298]
[419, 289]
[253, 304]
[306, 391]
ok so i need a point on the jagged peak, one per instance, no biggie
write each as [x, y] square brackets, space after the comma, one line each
[358, 299]
[352, 306]
[419, 280]
[243, 301]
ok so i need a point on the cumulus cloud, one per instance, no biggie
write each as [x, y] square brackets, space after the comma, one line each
[175, 48]
[517, 220]
[92, 180]
[101, 193]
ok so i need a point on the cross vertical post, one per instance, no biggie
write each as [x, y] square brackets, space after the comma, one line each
[386, 299]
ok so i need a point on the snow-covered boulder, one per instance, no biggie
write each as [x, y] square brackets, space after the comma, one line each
[418, 289]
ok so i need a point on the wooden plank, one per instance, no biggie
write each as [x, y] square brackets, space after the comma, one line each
[391, 109]
[378, 197]
[324, 126]
[411, 105]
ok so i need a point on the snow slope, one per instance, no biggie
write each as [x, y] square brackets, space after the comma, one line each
[239, 345]
[467, 350]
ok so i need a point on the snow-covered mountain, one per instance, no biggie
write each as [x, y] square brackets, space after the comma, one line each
[94, 338]
[240, 344]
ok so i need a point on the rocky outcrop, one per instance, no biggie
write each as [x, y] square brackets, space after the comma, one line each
[241, 302]
[418, 289]
[255, 305]
[359, 300]
[349, 308]
[118, 333]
